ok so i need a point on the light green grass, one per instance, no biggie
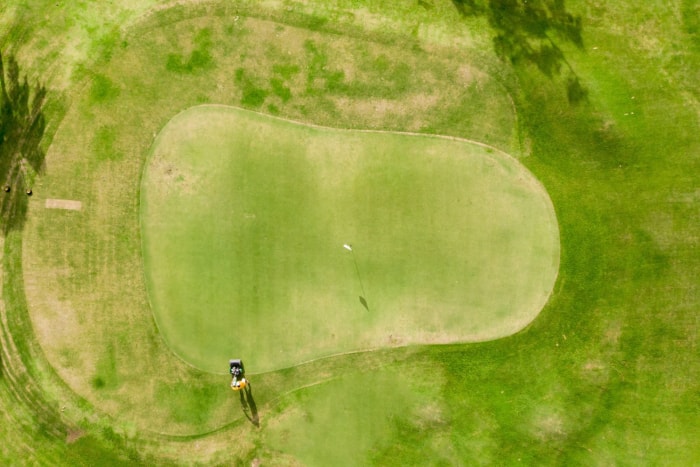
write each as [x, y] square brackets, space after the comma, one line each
[244, 218]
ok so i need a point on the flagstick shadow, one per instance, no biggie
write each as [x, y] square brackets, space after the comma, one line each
[363, 302]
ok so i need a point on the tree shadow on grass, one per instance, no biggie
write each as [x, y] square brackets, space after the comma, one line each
[22, 126]
[250, 409]
[527, 31]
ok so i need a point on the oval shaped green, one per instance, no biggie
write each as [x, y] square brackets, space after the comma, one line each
[278, 242]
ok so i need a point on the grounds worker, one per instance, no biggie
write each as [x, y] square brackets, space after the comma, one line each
[238, 384]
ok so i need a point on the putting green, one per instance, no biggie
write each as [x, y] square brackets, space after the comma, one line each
[244, 218]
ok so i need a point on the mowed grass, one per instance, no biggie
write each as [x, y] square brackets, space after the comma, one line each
[245, 217]
[85, 268]
[608, 372]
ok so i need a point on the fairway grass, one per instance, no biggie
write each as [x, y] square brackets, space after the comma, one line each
[244, 217]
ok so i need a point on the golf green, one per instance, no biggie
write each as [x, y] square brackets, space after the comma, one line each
[244, 219]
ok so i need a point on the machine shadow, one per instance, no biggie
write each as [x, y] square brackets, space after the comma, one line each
[250, 409]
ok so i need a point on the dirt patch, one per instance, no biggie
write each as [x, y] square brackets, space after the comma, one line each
[67, 204]
[381, 107]
[550, 426]
[593, 366]
[168, 176]
[472, 75]
[429, 416]
[74, 435]
[613, 333]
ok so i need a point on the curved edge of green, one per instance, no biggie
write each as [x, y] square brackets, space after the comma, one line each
[493, 153]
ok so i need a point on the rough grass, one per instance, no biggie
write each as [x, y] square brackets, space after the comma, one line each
[606, 374]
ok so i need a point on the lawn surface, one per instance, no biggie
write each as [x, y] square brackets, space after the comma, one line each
[85, 268]
[244, 218]
[606, 374]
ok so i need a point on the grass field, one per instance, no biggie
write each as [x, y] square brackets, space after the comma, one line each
[607, 373]
[244, 219]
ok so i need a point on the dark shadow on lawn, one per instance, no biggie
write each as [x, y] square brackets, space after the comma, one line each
[364, 303]
[527, 31]
[22, 126]
[250, 409]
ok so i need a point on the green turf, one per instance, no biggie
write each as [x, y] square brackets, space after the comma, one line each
[360, 421]
[107, 339]
[244, 218]
[606, 375]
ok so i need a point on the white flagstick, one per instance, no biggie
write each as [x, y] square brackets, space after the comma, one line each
[363, 300]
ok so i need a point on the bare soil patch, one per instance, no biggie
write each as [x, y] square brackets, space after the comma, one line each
[67, 204]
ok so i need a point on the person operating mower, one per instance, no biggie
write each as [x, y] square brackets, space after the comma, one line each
[237, 370]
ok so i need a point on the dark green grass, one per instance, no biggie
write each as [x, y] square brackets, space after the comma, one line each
[103, 89]
[199, 60]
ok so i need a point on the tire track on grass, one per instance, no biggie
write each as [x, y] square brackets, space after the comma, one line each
[26, 415]
[17, 350]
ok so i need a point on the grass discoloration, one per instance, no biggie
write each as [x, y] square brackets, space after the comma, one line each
[199, 59]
